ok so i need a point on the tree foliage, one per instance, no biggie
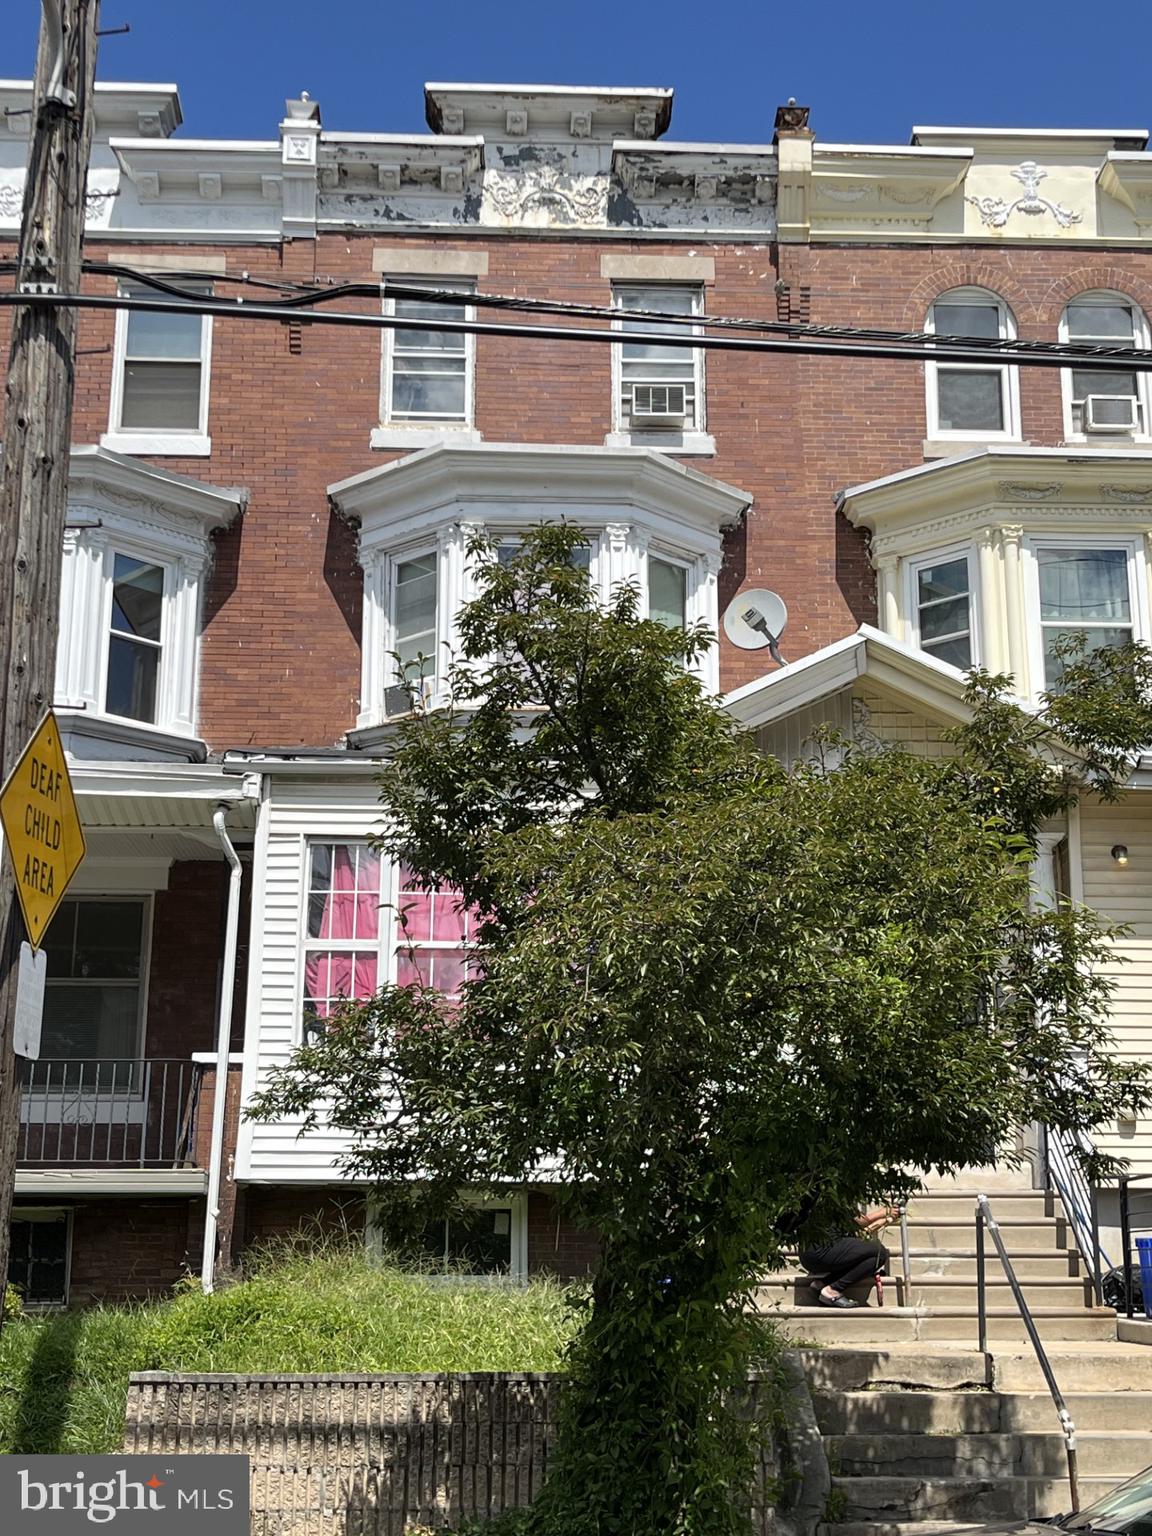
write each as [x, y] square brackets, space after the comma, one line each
[712, 996]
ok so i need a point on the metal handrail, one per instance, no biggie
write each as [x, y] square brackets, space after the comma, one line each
[1126, 1236]
[905, 1258]
[985, 1218]
[1081, 1202]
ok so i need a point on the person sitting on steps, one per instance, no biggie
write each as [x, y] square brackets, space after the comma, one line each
[847, 1261]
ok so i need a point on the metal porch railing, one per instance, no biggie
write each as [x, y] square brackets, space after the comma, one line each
[1133, 1221]
[1064, 1174]
[986, 1221]
[109, 1113]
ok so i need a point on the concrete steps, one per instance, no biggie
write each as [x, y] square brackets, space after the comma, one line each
[891, 1325]
[897, 1500]
[926, 1436]
[976, 1413]
[1028, 1454]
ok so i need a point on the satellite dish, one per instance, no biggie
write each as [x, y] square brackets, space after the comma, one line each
[755, 619]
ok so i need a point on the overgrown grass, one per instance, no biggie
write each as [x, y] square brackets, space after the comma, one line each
[63, 1378]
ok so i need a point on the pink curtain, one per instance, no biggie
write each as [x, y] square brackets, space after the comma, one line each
[343, 905]
[432, 936]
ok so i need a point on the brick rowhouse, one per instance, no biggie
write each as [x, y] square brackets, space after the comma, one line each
[264, 600]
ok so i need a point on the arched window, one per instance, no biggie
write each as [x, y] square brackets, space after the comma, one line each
[973, 401]
[1103, 404]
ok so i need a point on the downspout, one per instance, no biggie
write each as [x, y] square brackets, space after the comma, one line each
[223, 1041]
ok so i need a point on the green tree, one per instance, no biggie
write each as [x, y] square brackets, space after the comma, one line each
[713, 999]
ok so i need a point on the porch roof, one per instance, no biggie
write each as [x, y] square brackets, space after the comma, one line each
[163, 797]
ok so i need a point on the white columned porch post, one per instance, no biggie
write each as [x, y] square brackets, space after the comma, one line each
[1045, 892]
[1010, 539]
[991, 600]
[887, 577]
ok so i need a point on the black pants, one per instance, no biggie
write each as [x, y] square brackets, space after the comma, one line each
[846, 1262]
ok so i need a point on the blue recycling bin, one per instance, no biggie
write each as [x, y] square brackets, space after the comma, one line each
[1144, 1249]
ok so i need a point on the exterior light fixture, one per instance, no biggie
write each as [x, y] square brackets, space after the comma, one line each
[1120, 853]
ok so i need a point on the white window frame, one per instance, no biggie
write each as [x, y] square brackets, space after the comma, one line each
[49, 1214]
[913, 568]
[164, 688]
[670, 557]
[1009, 373]
[49, 1104]
[415, 432]
[431, 681]
[1107, 297]
[1137, 589]
[385, 944]
[145, 441]
[518, 1266]
[694, 439]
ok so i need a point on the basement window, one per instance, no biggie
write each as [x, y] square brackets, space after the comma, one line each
[39, 1255]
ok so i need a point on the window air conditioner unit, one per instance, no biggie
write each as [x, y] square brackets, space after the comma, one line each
[398, 700]
[659, 405]
[1110, 413]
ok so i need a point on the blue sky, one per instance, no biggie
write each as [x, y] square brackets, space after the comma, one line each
[868, 71]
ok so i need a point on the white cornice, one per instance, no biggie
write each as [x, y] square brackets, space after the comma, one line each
[152, 110]
[1043, 487]
[460, 475]
[865, 191]
[198, 169]
[1017, 140]
[555, 112]
[98, 472]
[1128, 178]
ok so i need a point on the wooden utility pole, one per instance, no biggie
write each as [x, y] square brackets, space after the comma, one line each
[34, 474]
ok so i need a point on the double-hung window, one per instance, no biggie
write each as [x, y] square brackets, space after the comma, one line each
[135, 638]
[942, 598]
[667, 592]
[972, 400]
[160, 383]
[356, 936]
[428, 374]
[342, 929]
[413, 618]
[94, 994]
[658, 388]
[1087, 589]
[1104, 401]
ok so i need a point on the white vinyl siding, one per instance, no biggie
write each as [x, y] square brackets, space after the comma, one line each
[298, 812]
[1123, 895]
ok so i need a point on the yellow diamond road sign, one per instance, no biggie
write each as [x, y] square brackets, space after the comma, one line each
[41, 827]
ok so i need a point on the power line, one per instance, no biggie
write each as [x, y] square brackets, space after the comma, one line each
[896, 348]
[301, 294]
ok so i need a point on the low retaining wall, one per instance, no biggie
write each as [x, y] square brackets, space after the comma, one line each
[376, 1455]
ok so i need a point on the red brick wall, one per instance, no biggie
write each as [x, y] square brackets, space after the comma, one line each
[281, 647]
[126, 1250]
[554, 1244]
[266, 1213]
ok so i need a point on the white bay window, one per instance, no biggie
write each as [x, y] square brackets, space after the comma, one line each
[647, 521]
[137, 548]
